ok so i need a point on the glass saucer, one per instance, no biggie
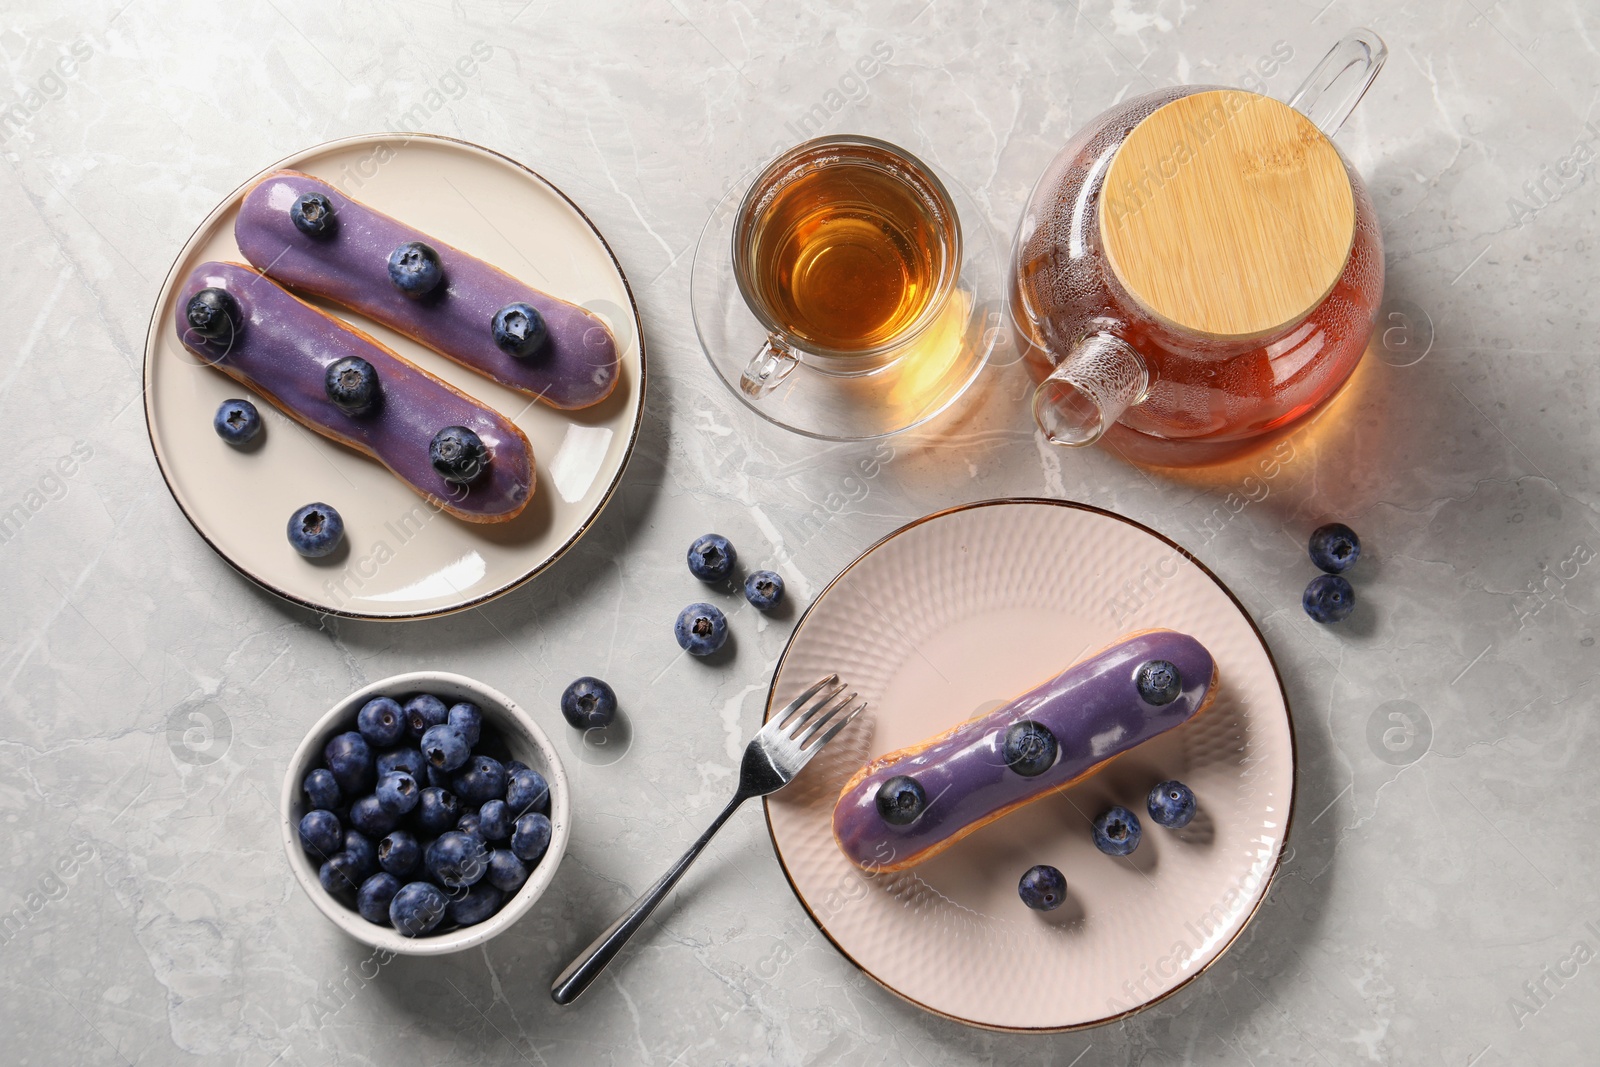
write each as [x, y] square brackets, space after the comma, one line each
[936, 368]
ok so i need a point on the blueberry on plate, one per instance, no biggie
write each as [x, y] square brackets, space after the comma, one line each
[312, 215]
[339, 874]
[711, 557]
[764, 589]
[321, 789]
[526, 790]
[320, 833]
[520, 330]
[1335, 547]
[417, 908]
[381, 722]
[422, 711]
[458, 455]
[1029, 748]
[476, 904]
[1042, 888]
[1116, 833]
[467, 718]
[374, 896]
[456, 859]
[399, 853]
[1328, 598]
[701, 629]
[237, 421]
[397, 793]
[494, 820]
[406, 759]
[370, 816]
[481, 780]
[437, 810]
[506, 872]
[901, 799]
[530, 838]
[1158, 682]
[414, 269]
[350, 759]
[315, 530]
[213, 314]
[352, 384]
[445, 748]
[1171, 804]
[589, 704]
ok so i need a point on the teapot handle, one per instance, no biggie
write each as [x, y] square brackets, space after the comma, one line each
[1337, 84]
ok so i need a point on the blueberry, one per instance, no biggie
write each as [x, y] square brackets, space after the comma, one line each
[237, 422]
[362, 851]
[417, 908]
[506, 871]
[456, 859]
[374, 896]
[468, 721]
[476, 904]
[901, 799]
[763, 589]
[1335, 547]
[399, 853]
[711, 558]
[470, 824]
[439, 779]
[315, 530]
[352, 384]
[1116, 833]
[320, 833]
[423, 711]
[1029, 748]
[1158, 682]
[482, 780]
[494, 820]
[437, 810]
[370, 817]
[312, 215]
[350, 760]
[213, 314]
[414, 269]
[1171, 804]
[530, 838]
[515, 765]
[339, 874]
[589, 704]
[445, 748]
[406, 760]
[520, 330]
[1042, 888]
[458, 455]
[381, 722]
[322, 790]
[1328, 598]
[397, 792]
[701, 629]
[526, 791]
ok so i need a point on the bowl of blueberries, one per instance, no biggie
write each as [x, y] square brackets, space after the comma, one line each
[425, 813]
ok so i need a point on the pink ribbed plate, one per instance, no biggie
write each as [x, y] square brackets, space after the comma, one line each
[955, 614]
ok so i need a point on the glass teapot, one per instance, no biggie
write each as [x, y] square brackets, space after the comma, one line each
[1199, 269]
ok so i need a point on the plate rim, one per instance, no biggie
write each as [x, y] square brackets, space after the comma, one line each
[372, 138]
[1294, 761]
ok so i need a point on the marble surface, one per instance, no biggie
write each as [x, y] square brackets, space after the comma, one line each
[1437, 905]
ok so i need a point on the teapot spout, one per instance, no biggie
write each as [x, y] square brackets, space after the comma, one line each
[1336, 86]
[1101, 377]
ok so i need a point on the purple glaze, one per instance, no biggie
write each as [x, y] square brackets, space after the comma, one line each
[1095, 712]
[283, 352]
[578, 366]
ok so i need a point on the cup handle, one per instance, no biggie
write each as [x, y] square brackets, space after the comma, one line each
[775, 362]
[1337, 84]
[1102, 377]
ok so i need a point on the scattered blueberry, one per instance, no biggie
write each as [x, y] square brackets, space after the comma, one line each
[374, 896]
[381, 722]
[1335, 547]
[494, 820]
[399, 853]
[701, 629]
[423, 711]
[476, 904]
[213, 314]
[312, 215]
[483, 779]
[315, 530]
[339, 874]
[506, 871]
[1158, 682]
[763, 589]
[352, 384]
[526, 790]
[1042, 888]
[589, 704]
[1029, 748]
[322, 790]
[1171, 804]
[405, 760]
[1116, 833]
[370, 817]
[398, 792]
[237, 422]
[520, 330]
[362, 851]
[417, 908]
[711, 558]
[445, 748]
[468, 721]
[531, 837]
[437, 810]
[1328, 598]
[458, 455]
[456, 859]
[414, 269]
[320, 833]
[350, 759]
[901, 799]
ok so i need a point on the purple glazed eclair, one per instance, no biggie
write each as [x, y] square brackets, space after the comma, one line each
[255, 331]
[340, 249]
[909, 805]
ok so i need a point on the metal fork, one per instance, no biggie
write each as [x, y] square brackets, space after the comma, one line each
[771, 760]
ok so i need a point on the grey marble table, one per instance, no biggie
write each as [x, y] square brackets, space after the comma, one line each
[1438, 902]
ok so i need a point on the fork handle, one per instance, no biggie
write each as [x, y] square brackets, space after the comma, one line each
[581, 972]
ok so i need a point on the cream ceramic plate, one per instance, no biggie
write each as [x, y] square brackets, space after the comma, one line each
[952, 616]
[403, 559]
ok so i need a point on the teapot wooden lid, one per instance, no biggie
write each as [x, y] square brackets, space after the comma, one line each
[1228, 214]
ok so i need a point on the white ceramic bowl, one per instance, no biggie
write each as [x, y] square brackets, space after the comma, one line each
[527, 743]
